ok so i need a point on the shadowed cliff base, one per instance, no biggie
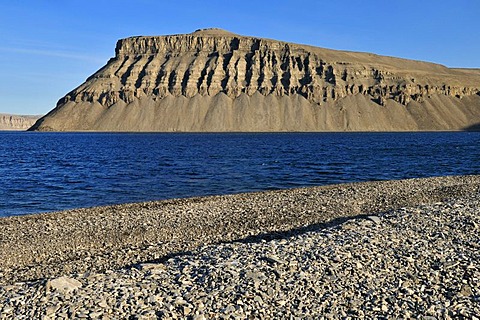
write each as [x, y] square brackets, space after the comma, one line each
[258, 113]
[214, 80]
[475, 127]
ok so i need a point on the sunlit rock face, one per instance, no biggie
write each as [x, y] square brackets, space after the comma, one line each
[214, 80]
[16, 122]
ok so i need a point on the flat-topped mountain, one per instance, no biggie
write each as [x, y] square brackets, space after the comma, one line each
[16, 122]
[214, 80]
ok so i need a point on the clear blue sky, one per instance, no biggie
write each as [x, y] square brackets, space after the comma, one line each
[47, 48]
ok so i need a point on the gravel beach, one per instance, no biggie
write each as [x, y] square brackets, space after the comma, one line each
[388, 249]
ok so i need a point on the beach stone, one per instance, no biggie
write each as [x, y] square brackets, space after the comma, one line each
[103, 303]
[186, 310]
[375, 219]
[64, 284]
[465, 291]
[7, 310]
[51, 310]
[95, 315]
[151, 266]
[274, 259]
[255, 276]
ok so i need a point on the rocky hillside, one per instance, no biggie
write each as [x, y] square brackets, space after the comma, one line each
[213, 80]
[16, 122]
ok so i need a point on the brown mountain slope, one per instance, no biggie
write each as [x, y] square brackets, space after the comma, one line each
[213, 80]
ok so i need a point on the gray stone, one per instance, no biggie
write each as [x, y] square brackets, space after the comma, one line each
[374, 219]
[64, 284]
[274, 259]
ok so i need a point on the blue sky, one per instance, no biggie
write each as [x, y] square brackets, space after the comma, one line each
[47, 48]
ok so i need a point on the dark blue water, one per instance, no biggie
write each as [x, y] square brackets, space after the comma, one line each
[53, 171]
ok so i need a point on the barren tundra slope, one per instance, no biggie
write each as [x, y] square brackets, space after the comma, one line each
[214, 80]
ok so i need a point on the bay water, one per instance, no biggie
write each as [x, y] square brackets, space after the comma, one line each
[42, 172]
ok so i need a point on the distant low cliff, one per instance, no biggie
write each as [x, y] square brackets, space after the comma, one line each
[16, 122]
[213, 80]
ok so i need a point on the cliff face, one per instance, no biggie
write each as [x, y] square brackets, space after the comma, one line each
[16, 122]
[212, 80]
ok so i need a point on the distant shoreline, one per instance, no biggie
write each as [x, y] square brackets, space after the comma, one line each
[14, 122]
[474, 128]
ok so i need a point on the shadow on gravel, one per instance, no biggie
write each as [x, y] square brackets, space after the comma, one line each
[298, 231]
[267, 236]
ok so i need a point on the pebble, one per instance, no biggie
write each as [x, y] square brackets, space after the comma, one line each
[374, 219]
[64, 284]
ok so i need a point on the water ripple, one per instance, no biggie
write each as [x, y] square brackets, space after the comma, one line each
[55, 171]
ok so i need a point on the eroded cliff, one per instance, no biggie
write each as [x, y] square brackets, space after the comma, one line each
[213, 80]
[16, 122]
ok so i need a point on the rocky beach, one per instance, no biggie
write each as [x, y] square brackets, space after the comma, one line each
[384, 250]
